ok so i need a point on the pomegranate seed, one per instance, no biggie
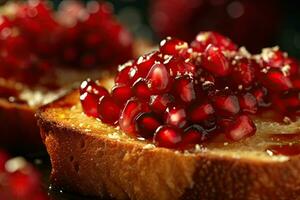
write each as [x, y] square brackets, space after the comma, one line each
[172, 46]
[89, 104]
[159, 78]
[273, 57]
[123, 75]
[121, 93]
[215, 62]
[144, 64]
[93, 88]
[203, 39]
[261, 97]
[126, 121]
[194, 134]
[141, 90]
[175, 116]
[159, 103]
[290, 101]
[177, 66]
[108, 110]
[292, 66]
[200, 112]
[241, 128]
[276, 80]
[243, 72]
[248, 103]
[184, 89]
[167, 136]
[146, 124]
[227, 104]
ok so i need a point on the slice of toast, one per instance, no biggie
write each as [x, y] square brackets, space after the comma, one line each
[94, 159]
[19, 132]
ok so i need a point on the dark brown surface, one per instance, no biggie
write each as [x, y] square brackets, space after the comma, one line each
[19, 132]
[42, 163]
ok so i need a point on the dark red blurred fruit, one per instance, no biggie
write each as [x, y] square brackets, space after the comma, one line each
[236, 19]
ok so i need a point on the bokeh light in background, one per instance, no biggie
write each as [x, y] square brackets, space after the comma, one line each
[253, 23]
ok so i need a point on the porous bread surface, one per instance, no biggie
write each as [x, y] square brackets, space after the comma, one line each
[92, 158]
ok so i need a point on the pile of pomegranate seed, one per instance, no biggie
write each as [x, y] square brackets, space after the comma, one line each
[182, 94]
[34, 38]
[19, 180]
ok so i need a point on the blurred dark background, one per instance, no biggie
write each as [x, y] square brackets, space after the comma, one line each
[253, 23]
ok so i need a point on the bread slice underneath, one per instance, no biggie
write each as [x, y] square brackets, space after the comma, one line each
[94, 159]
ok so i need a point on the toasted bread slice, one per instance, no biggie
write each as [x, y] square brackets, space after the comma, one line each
[20, 133]
[92, 158]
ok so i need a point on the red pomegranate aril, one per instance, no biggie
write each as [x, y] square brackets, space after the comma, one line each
[141, 90]
[146, 124]
[92, 87]
[226, 104]
[144, 64]
[177, 66]
[159, 78]
[273, 57]
[200, 112]
[243, 71]
[123, 75]
[108, 110]
[276, 80]
[127, 118]
[167, 136]
[203, 39]
[89, 104]
[215, 61]
[121, 93]
[224, 123]
[241, 128]
[184, 89]
[248, 103]
[261, 95]
[194, 134]
[159, 103]
[292, 66]
[172, 46]
[175, 116]
[290, 101]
